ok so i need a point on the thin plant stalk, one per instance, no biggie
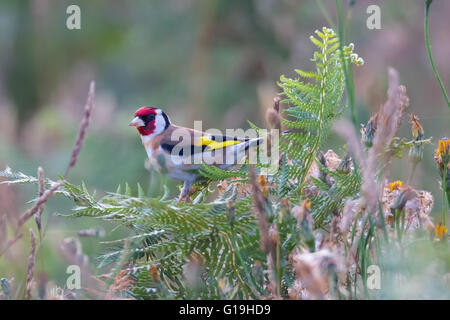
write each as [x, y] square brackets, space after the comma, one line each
[348, 82]
[427, 43]
[413, 171]
[444, 191]
[325, 13]
[30, 268]
[278, 267]
[83, 127]
[348, 78]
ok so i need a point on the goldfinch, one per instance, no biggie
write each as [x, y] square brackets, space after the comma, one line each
[178, 151]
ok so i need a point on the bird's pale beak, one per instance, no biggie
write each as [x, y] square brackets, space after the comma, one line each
[137, 122]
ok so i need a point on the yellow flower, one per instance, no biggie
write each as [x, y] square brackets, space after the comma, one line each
[306, 205]
[439, 232]
[443, 151]
[396, 185]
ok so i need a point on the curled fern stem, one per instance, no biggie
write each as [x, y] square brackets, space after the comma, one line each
[320, 121]
[427, 43]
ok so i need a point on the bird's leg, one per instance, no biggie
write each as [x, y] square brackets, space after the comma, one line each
[184, 194]
[191, 191]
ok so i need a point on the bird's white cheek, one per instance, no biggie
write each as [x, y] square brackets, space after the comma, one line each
[160, 124]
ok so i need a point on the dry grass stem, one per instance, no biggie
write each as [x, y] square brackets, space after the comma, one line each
[30, 269]
[388, 122]
[41, 190]
[258, 200]
[264, 237]
[83, 127]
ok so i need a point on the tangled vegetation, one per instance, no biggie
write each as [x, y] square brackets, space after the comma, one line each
[322, 226]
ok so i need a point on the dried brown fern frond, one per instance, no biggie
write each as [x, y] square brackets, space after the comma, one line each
[122, 281]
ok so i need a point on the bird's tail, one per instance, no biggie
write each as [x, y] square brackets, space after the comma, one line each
[253, 142]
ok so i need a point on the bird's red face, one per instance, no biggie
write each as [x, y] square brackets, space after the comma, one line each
[150, 121]
[144, 120]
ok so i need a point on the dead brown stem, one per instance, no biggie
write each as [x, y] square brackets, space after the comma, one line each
[258, 200]
[264, 238]
[30, 269]
[83, 127]
[389, 120]
[41, 190]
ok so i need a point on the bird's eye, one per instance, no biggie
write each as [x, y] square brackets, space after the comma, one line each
[149, 117]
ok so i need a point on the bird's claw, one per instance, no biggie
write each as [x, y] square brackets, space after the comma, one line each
[185, 196]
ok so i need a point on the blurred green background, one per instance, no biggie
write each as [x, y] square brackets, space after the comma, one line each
[211, 60]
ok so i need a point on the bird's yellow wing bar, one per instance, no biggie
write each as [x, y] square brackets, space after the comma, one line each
[212, 145]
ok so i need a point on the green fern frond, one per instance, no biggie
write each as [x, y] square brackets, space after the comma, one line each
[331, 198]
[314, 105]
[215, 174]
[223, 234]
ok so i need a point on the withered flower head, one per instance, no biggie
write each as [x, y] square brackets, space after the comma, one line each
[416, 127]
[263, 185]
[368, 131]
[304, 209]
[284, 203]
[302, 213]
[154, 273]
[345, 166]
[416, 153]
[407, 194]
[416, 150]
[273, 235]
[273, 115]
